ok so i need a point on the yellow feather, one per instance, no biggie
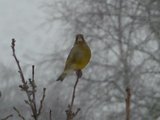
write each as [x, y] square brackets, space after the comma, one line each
[78, 57]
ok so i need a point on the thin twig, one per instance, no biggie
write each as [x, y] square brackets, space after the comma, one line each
[24, 85]
[7, 117]
[41, 102]
[74, 90]
[69, 112]
[19, 114]
[32, 82]
[128, 103]
[17, 61]
[29, 88]
[50, 115]
[77, 111]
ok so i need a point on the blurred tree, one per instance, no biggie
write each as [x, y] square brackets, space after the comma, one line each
[153, 9]
[124, 52]
[8, 90]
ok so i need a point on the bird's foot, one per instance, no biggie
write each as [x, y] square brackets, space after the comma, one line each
[79, 73]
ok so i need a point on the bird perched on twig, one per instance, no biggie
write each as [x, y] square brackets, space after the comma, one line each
[78, 57]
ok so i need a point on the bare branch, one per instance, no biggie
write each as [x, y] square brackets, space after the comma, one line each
[17, 61]
[69, 112]
[7, 117]
[29, 88]
[19, 114]
[32, 82]
[41, 102]
[50, 115]
[128, 103]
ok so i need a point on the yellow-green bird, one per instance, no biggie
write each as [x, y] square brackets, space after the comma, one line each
[78, 57]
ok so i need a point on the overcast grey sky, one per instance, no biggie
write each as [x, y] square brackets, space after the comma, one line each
[22, 19]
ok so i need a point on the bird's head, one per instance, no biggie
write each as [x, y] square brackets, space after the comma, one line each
[79, 39]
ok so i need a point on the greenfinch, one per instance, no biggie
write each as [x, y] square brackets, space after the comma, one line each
[78, 57]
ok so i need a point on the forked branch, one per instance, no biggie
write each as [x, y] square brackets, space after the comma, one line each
[29, 87]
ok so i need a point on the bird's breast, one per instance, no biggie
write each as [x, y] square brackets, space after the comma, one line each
[83, 57]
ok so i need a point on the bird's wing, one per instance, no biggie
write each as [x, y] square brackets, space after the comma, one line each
[73, 56]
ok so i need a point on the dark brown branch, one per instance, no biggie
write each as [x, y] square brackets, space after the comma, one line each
[7, 117]
[24, 86]
[41, 102]
[17, 61]
[32, 82]
[19, 114]
[77, 111]
[128, 103]
[29, 88]
[50, 115]
[69, 112]
[74, 90]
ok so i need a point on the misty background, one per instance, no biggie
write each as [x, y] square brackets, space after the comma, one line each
[124, 36]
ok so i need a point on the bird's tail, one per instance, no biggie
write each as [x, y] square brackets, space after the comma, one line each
[62, 76]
